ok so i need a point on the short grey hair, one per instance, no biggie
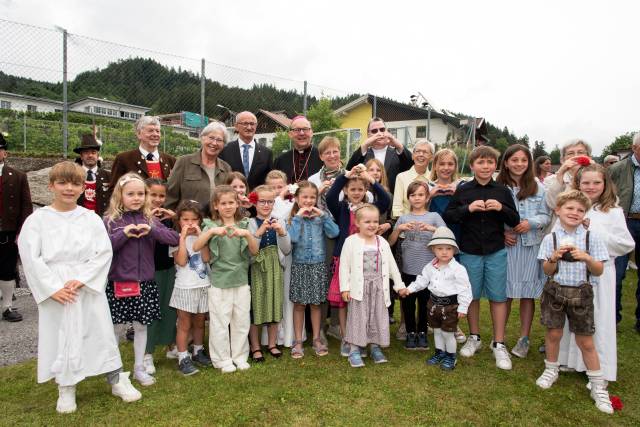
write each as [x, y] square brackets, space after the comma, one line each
[611, 157]
[636, 139]
[213, 126]
[425, 141]
[573, 143]
[144, 121]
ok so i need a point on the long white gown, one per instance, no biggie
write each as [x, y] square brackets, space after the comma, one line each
[612, 228]
[75, 340]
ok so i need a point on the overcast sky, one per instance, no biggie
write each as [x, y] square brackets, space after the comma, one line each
[553, 70]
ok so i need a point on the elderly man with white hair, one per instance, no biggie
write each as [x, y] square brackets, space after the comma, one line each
[626, 176]
[145, 160]
[422, 154]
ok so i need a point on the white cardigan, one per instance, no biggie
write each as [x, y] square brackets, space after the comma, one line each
[351, 274]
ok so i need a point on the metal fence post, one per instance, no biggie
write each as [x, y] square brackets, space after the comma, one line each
[374, 112]
[304, 100]
[24, 131]
[202, 81]
[65, 104]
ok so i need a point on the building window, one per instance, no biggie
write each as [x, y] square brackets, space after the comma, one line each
[32, 108]
[87, 109]
[5, 104]
[421, 131]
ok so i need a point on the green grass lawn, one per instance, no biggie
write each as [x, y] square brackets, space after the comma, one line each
[326, 391]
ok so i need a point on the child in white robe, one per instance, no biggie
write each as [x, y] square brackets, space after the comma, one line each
[66, 253]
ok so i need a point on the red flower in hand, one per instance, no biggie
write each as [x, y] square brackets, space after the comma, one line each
[253, 198]
[583, 160]
[616, 403]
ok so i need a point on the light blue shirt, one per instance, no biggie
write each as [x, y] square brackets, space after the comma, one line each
[308, 238]
[535, 210]
[574, 273]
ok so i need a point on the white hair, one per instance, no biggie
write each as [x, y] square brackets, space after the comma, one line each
[213, 126]
[636, 139]
[425, 141]
[146, 121]
[611, 157]
[573, 143]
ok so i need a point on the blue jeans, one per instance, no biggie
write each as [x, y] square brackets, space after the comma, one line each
[621, 267]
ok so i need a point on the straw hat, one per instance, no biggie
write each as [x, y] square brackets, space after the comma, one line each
[443, 236]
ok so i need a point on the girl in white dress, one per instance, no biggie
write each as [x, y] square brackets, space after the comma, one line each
[607, 219]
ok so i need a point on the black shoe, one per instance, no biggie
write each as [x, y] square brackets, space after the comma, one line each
[258, 359]
[410, 344]
[423, 343]
[201, 358]
[186, 367]
[11, 315]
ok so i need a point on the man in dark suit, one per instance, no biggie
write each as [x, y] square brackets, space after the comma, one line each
[95, 196]
[244, 154]
[145, 160]
[15, 207]
[303, 160]
[380, 144]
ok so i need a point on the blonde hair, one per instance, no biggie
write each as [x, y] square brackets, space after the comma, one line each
[326, 142]
[607, 199]
[573, 195]
[384, 181]
[67, 171]
[366, 207]
[218, 192]
[439, 155]
[276, 174]
[116, 207]
[264, 188]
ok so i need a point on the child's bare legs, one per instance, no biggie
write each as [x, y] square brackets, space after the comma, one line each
[498, 318]
[254, 341]
[527, 309]
[473, 317]
[342, 315]
[197, 328]
[589, 353]
[182, 334]
[298, 323]
[272, 332]
[552, 344]
[316, 319]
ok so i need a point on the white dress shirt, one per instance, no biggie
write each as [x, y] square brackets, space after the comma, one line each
[451, 279]
[252, 150]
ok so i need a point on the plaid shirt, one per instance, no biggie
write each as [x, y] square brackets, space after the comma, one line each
[574, 273]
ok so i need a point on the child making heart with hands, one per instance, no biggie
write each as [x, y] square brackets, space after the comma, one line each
[418, 227]
[231, 246]
[267, 270]
[134, 232]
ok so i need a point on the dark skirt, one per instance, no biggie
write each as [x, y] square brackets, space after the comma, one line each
[144, 309]
[163, 330]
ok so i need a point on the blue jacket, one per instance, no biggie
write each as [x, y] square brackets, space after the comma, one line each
[340, 209]
[535, 210]
[307, 237]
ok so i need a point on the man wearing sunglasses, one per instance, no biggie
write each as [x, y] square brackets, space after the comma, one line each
[380, 144]
[303, 160]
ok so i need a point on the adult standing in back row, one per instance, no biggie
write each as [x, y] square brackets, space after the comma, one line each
[145, 160]
[382, 145]
[303, 160]
[245, 155]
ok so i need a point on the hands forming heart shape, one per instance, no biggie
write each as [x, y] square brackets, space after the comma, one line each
[311, 212]
[136, 230]
[162, 213]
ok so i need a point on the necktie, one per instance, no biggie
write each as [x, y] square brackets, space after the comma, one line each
[245, 159]
[90, 175]
[149, 157]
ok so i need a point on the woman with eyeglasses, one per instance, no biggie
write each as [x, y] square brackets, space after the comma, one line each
[194, 176]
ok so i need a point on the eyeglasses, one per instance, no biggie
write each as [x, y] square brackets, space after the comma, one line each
[247, 124]
[216, 139]
[423, 152]
[300, 130]
[376, 130]
[266, 202]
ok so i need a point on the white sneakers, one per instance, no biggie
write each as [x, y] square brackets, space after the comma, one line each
[172, 354]
[140, 374]
[228, 369]
[472, 345]
[147, 362]
[124, 389]
[549, 375]
[460, 336]
[600, 395]
[501, 354]
[66, 399]
[243, 366]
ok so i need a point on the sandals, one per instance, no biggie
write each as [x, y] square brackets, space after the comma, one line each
[297, 353]
[320, 347]
[255, 359]
[275, 352]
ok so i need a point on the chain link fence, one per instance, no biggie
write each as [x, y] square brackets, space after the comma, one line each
[56, 86]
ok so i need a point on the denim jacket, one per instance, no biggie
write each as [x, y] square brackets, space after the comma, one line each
[307, 237]
[535, 210]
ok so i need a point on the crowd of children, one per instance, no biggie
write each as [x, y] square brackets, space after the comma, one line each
[260, 259]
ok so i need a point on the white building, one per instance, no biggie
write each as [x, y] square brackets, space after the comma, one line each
[105, 107]
[13, 101]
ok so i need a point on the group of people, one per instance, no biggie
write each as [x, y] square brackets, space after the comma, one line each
[232, 235]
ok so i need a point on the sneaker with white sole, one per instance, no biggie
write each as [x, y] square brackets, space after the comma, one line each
[501, 354]
[470, 347]
[66, 399]
[355, 360]
[172, 354]
[401, 334]
[124, 389]
[228, 369]
[460, 336]
[140, 375]
[243, 366]
[377, 355]
[186, 367]
[149, 367]
[600, 396]
[345, 348]
[521, 349]
[549, 375]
